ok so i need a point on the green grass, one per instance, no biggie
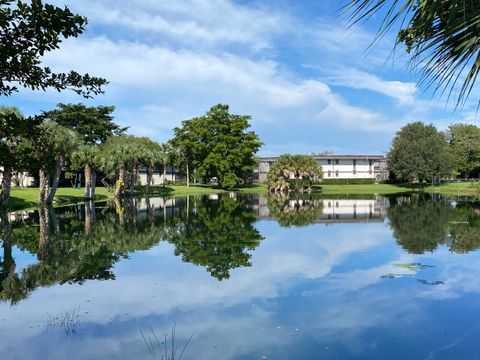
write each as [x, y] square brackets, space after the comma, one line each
[21, 199]
[27, 198]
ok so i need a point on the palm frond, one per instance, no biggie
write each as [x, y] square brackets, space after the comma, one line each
[441, 36]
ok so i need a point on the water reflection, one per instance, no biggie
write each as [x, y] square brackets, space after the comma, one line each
[291, 287]
[420, 224]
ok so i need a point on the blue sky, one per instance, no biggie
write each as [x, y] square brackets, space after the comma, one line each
[294, 66]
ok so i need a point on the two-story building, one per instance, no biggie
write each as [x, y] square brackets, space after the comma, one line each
[336, 167]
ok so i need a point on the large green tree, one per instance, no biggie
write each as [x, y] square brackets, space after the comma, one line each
[419, 152]
[94, 126]
[218, 144]
[464, 146]
[29, 30]
[441, 37]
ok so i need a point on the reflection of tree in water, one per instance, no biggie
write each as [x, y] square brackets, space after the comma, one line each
[465, 228]
[72, 248]
[216, 234]
[297, 210]
[81, 243]
[418, 223]
[421, 223]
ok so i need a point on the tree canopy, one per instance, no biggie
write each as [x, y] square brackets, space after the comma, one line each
[419, 152]
[93, 124]
[464, 146]
[219, 145]
[441, 37]
[29, 30]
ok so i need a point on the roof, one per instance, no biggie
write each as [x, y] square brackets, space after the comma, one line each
[333, 157]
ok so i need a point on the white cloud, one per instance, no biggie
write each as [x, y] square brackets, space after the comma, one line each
[404, 92]
[198, 23]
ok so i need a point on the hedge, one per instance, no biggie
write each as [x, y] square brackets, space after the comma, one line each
[348, 181]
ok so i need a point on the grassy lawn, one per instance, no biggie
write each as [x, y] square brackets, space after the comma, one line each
[27, 198]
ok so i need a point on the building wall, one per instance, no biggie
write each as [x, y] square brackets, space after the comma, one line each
[20, 179]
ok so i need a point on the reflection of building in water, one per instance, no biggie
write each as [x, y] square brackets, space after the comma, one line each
[352, 210]
[333, 210]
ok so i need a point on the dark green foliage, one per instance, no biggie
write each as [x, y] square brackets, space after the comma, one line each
[28, 31]
[217, 144]
[93, 124]
[441, 37]
[14, 130]
[348, 181]
[464, 147]
[419, 152]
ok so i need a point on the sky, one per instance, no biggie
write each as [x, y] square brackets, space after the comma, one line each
[309, 81]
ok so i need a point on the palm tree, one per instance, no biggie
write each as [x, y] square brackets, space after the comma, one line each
[87, 157]
[441, 37]
[53, 144]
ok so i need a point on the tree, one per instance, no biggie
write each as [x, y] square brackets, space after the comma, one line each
[464, 146]
[299, 168]
[419, 152]
[49, 151]
[87, 157]
[219, 145]
[29, 30]
[94, 126]
[151, 156]
[119, 160]
[14, 129]
[441, 37]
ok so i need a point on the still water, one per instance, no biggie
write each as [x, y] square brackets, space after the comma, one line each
[243, 277]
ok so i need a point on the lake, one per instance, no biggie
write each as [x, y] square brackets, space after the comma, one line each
[243, 277]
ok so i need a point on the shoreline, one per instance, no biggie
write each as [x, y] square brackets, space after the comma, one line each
[26, 199]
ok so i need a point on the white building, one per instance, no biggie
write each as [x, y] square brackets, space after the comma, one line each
[337, 167]
[19, 179]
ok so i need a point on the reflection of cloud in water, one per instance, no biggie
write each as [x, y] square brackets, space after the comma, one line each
[324, 281]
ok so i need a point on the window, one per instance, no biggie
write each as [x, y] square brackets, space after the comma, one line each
[354, 163]
[329, 162]
[354, 171]
[336, 173]
[329, 173]
[336, 162]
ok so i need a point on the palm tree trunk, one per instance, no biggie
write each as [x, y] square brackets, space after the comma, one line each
[93, 183]
[6, 186]
[133, 179]
[120, 183]
[164, 174]
[88, 182]
[188, 176]
[56, 179]
[149, 178]
[44, 184]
